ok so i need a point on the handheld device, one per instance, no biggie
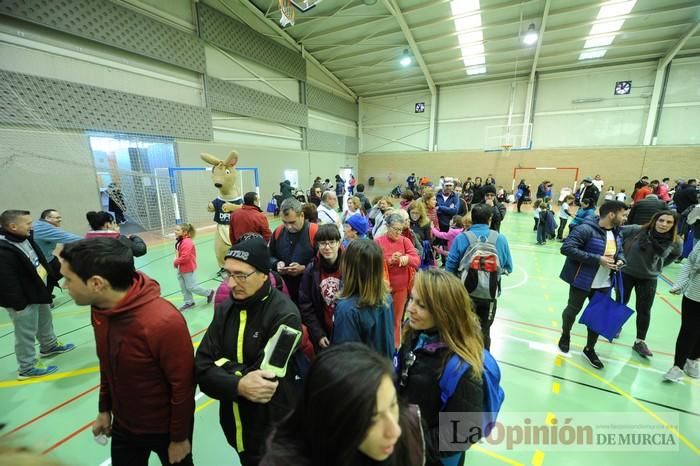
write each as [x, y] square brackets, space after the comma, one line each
[279, 349]
[101, 439]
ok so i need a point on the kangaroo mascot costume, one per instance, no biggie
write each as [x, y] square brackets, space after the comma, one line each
[229, 199]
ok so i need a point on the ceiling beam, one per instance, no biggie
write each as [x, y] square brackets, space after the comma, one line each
[287, 38]
[530, 93]
[676, 48]
[301, 40]
[396, 11]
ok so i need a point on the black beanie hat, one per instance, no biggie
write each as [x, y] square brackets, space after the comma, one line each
[252, 251]
[489, 188]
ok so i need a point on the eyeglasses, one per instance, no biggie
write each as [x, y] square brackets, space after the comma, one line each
[327, 244]
[408, 363]
[396, 229]
[239, 277]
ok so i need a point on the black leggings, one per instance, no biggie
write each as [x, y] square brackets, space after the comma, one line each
[486, 311]
[573, 307]
[644, 290]
[688, 341]
[560, 231]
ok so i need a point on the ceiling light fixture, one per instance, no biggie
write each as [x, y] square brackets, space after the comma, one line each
[405, 58]
[530, 37]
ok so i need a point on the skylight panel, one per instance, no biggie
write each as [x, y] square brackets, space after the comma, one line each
[476, 70]
[460, 7]
[590, 54]
[474, 60]
[593, 42]
[467, 22]
[612, 9]
[608, 26]
[466, 38]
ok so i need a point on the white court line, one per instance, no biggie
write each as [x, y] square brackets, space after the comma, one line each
[520, 283]
[554, 350]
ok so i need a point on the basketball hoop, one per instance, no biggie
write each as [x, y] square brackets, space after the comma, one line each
[286, 12]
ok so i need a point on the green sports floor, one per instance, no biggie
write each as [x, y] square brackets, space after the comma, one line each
[543, 388]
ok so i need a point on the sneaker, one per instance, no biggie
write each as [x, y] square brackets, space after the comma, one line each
[642, 348]
[58, 349]
[564, 343]
[210, 296]
[186, 306]
[37, 371]
[692, 368]
[674, 374]
[593, 358]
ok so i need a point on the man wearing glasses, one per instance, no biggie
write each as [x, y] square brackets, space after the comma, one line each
[292, 246]
[227, 364]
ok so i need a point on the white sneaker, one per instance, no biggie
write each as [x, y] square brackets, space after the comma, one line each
[692, 368]
[674, 374]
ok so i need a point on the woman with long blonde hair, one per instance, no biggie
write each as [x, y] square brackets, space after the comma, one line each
[364, 309]
[441, 323]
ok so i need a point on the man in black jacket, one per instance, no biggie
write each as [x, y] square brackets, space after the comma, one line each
[227, 364]
[685, 198]
[642, 211]
[24, 272]
[589, 191]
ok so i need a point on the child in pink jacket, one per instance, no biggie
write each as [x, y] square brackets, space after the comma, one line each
[457, 225]
[186, 263]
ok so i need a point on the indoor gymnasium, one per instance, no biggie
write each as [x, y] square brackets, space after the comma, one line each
[349, 232]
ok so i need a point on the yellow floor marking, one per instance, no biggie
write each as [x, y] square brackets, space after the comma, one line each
[204, 405]
[546, 297]
[557, 361]
[555, 387]
[538, 458]
[555, 324]
[550, 417]
[49, 378]
[640, 405]
[480, 449]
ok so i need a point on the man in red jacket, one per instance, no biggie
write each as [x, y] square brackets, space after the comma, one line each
[146, 400]
[249, 219]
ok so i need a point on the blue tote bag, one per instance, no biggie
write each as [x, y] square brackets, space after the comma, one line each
[604, 315]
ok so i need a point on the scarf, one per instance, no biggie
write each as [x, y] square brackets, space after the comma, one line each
[658, 242]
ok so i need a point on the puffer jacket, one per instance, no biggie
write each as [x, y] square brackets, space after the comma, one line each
[583, 248]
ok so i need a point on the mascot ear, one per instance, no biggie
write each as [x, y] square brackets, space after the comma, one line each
[232, 159]
[210, 159]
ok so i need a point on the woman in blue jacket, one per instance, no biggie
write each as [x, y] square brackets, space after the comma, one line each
[364, 310]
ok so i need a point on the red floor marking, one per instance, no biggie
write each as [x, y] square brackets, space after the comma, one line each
[65, 439]
[70, 400]
[669, 303]
[46, 413]
[576, 334]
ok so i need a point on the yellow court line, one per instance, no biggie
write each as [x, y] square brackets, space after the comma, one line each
[538, 458]
[641, 406]
[49, 378]
[204, 405]
[549, 420]
[506, 460]
[556, 387]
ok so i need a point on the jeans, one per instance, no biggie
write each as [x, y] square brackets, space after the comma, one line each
[562, 224]
[688, 341]
[33, 322]
[573, 307]
[188, 285]
[541, 234]
[130, 449]
[645, 290]
[486, 311]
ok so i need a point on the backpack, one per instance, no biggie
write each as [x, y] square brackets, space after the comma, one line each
[494, 395]
[480, 266]
[313, 228]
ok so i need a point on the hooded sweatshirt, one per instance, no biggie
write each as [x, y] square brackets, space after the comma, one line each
[146, 362]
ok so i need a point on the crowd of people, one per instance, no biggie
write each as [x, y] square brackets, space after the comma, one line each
[383, 292]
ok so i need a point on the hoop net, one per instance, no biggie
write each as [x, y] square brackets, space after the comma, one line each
[286, 12]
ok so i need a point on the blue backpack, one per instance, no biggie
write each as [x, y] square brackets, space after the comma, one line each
[455, 368]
